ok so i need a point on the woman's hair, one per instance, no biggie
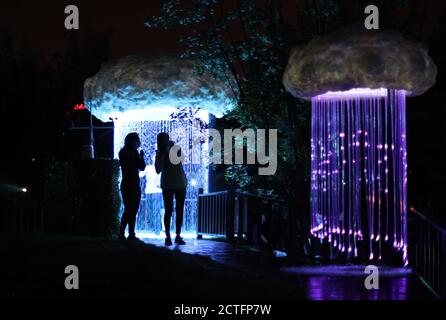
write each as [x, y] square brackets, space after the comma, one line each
[132, 139]
[162, 141]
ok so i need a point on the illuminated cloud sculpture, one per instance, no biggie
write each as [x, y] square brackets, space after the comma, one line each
[142, 82]
[139, 93]
[357, 83]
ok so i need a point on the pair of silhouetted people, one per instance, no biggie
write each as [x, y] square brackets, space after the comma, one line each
[173, 184]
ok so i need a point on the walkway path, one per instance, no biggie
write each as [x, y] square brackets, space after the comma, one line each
[320, 282]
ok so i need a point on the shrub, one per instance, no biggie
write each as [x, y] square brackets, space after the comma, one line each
[81, 197]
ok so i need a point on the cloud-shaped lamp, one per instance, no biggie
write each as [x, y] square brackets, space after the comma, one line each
[357, 82]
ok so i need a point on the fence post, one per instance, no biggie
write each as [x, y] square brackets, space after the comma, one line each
[292, 228]
[199, 209]
[14, 215]
[230, 210]
[239, 212]
[443, 265]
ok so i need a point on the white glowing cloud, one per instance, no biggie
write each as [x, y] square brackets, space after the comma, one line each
[360, 92]
[138, 83]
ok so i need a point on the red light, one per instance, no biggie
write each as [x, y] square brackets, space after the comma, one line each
[79, 107]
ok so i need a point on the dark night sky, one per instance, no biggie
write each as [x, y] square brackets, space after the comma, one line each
[40, 24]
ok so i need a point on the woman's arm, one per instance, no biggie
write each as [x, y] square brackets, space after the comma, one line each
[141, 162]
[159, 160]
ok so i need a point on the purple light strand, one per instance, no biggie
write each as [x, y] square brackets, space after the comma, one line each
[352, 157]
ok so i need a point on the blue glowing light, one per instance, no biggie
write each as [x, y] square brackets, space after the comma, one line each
[139, 93]
[137, 83]
[148, 123]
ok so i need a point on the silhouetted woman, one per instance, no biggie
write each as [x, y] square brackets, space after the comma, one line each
[173, 184]
[131, 163]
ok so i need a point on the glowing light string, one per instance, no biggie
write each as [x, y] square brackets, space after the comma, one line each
[359, 159]
[148, 123]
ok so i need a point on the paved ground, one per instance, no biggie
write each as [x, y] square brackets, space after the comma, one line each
[347, 283]
[316, 282]
[221, 252]
[34, 268]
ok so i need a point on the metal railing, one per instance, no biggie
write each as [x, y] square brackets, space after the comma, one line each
[262, 221]
[427, 251]
[245, 216]
[20, 214]
[213, 215]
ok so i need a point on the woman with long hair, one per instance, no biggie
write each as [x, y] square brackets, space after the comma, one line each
[131, 162]
[173, 184]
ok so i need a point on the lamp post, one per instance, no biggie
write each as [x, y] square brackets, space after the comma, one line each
[87, 151]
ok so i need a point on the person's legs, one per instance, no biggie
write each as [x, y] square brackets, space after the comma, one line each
[168, 209]
[124, 221]
[133, 210]
[180, 196]
[125, 214]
